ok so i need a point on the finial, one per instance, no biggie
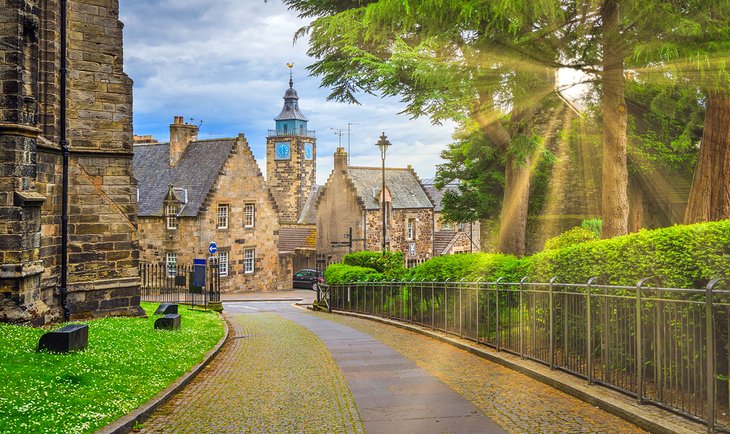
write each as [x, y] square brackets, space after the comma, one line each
[291, 79]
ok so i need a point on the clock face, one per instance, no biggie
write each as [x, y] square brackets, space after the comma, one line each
[282, 150]
[307, 151]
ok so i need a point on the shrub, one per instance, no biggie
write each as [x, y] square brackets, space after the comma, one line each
[685, 256]
[343, 273]
[473, 266]
[375, 260]
[571, 237]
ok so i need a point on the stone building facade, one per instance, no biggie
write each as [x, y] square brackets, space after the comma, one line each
[351, 199]
[102, 242]
[192, 192]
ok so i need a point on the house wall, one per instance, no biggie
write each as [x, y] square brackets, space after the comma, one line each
[338, 209]
[397, 231]
[103, 253]
[193, 235]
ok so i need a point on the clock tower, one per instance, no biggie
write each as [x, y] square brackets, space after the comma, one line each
[291, 151]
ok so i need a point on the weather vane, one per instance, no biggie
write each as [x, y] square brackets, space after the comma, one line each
[291, 78]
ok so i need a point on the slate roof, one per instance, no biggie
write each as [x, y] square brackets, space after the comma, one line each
[291, 239]
[405, 188]
[436, 194]
[291, 106]
[309, 212]
[196, 171]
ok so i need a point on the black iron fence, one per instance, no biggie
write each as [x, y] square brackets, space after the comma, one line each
[665, 346]
[164, 283]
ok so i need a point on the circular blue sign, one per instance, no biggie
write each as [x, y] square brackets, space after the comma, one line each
[212, 248]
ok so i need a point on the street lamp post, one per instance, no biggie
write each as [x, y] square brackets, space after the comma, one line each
[383, 144]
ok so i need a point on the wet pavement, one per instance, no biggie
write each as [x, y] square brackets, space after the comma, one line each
[290, 370]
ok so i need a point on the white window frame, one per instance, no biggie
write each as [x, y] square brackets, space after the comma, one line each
[171, 264]
[249, 212]
[171, 215]
[411, 229]
[249, 261]
[222, 216]
[223, 263]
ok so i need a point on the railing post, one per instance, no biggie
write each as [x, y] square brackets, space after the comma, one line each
[476, 290]
[496, 296]
[639, 346]
[589, 329]
[461, 308]
[446, 305]
[552, 322]
[522, 325]
[433, 302]
[710, 325]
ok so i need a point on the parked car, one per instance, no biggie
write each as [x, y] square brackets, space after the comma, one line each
[307, 278]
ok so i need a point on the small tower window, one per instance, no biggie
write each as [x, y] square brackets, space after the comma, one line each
[171, 215]
[411, 232]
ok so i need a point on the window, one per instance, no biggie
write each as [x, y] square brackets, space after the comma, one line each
[222, 216]
[223, 263]
[249, 211]
[171, 214]
[249, 256]
[171, 263]
[411, 229]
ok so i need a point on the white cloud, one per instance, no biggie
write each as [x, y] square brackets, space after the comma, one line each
[223, 62]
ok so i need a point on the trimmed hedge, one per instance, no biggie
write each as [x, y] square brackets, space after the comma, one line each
[569, 238]
[485, 266]
[684, 256]
[342, 273]
[375, 260]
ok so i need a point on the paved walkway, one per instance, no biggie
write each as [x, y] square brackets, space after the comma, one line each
[287, 370]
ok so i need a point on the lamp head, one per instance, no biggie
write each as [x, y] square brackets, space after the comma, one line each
[383, 144]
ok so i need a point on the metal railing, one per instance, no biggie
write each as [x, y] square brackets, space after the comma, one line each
[293, 132]
[665, 346]
[162, 283]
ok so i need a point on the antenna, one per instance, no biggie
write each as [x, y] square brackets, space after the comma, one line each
[339, 132]
[348, 140]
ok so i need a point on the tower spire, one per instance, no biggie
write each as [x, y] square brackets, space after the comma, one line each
[291, 77]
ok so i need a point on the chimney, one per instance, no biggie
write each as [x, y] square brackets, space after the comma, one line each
[181, 134]
[340, 160]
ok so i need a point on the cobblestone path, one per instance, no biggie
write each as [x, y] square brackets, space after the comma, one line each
[274, 377]
[516, 402]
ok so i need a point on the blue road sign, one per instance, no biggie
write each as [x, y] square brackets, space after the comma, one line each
[212, 248]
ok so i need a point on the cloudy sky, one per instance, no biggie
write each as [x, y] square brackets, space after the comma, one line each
[223, 62]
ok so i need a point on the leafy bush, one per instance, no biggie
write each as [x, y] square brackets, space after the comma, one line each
[685, 256]
[343, 273]
[375, 260]
[593, 225]
[571, 237]
[471, 267]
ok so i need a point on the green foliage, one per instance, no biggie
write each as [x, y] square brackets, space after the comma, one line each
[473, 266]
[375, 260]
[127, 362]
[571, 237]
[593, 225]
[683, 256]
[343, 273]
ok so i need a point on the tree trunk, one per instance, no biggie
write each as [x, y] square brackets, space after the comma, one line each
[513, 224]
[636, 208]
[614, 202]
[709, 196]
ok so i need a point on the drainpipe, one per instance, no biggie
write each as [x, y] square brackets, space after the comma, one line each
[64, 148]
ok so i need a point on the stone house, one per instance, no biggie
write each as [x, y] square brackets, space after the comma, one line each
[83, 264]
[192, 192]
[351, 198]
[451, 237]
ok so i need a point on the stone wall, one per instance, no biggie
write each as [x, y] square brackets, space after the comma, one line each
[291, 181]
[338, 209]
[102, 237]
[193, 235]
[397, 231]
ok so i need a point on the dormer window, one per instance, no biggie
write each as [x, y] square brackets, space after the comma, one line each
[171, 211]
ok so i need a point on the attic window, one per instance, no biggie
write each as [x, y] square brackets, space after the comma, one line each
[171, 215]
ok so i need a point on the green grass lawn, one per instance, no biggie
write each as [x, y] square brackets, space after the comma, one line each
[127, 362]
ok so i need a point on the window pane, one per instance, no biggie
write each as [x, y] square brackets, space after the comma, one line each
[248, 215]
[248, 260]
[223, 263]
[171, 261]
[222, 216]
